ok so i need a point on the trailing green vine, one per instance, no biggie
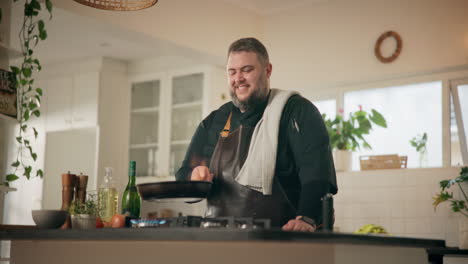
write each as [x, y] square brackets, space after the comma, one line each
[28, 97]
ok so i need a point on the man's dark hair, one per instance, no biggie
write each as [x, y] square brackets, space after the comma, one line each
[250, 45]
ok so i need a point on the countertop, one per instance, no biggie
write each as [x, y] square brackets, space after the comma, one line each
[203, 234]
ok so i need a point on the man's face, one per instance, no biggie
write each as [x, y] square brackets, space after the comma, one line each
[248, 79]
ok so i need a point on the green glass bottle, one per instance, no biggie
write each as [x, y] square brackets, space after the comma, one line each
[131, 202]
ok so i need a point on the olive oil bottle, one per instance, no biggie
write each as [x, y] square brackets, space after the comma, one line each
[107, 197]
[131, 202]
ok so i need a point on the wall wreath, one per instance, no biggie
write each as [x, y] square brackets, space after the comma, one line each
[396, 52]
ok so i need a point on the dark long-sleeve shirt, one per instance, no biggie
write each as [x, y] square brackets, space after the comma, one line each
[304, 165]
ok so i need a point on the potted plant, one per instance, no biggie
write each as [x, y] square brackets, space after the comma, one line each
[348, 135]
[419, 143]
[458, 203]
[83, 214]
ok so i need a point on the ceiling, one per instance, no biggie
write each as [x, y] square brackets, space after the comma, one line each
[87, 37]
[271, 7]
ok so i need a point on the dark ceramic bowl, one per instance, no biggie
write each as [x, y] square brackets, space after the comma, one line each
[49, 218]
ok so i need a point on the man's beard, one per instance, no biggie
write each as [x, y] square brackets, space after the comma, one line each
[258, 96]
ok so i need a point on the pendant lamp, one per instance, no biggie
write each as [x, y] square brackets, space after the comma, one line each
[118, 5]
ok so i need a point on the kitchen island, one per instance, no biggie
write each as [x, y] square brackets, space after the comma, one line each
[199, 245]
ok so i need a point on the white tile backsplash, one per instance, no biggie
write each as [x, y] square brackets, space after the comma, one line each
[399, 200]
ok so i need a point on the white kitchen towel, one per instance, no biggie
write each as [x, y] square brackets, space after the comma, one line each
[259, 167]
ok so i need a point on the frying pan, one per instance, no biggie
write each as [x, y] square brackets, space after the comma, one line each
[192, 191]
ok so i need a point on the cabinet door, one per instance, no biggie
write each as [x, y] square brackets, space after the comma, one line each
[187, 106]
[58, 95]
[85, 100]
[144, 127]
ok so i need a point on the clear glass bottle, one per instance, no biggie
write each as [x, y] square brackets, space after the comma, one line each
[107, 197]
[131, 201]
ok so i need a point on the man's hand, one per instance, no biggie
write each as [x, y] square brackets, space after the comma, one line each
[298, 225]
[201, 173]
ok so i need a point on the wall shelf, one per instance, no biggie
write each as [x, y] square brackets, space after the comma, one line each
[8, 53]
[8, 118]
[145, 110]
[5, 189]
[143, 146]
[180, 142]
[187, 105]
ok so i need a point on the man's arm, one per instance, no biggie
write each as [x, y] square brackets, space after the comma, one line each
[195, 156]
[309, 143]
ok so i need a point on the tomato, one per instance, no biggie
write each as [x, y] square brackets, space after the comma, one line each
[118, 221]
[99, 223]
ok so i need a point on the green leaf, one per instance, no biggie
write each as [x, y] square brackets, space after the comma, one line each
[19, 139]
[49, 7]
[35, 4]
[39, 91]
[15, 164]
[41, 25]
[27, 72]
[26, 143]
[34, 156]
[26, 115]
[27, 172]
[15, 70]
[37, 113]
[378, 119]
[24, 127]
[35, 132]
[28, 10]
[39, 67]
[11, 177]
[444, 184]
[40, 173]
[32, 105]
[23, 82]
[43, 35]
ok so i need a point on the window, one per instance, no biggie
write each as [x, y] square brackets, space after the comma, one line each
[410, 110]
[327, 107]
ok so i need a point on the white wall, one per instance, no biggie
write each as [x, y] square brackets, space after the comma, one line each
[18, 204]
[332, 43]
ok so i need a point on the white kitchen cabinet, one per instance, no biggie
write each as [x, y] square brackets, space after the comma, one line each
[87, 95]
[165, 111]
[71, 101]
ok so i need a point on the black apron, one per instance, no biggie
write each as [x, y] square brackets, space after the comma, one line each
[229, 198]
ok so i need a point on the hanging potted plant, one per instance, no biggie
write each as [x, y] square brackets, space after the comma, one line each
[347, 136]
[28, 95]
[458, 202]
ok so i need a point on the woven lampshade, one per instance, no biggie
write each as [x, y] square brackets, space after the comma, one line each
[118, 5]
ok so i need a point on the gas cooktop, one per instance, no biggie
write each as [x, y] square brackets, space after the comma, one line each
[201, 222]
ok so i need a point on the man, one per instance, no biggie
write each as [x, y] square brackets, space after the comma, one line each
[267, 152]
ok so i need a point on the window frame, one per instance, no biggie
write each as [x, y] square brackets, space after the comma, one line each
[457, 108]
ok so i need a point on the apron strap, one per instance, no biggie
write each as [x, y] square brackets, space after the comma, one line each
[225, 132]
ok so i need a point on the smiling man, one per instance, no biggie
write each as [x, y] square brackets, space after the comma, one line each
[267, 151]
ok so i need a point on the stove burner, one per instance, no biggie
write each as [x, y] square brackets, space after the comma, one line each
[200, 222]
